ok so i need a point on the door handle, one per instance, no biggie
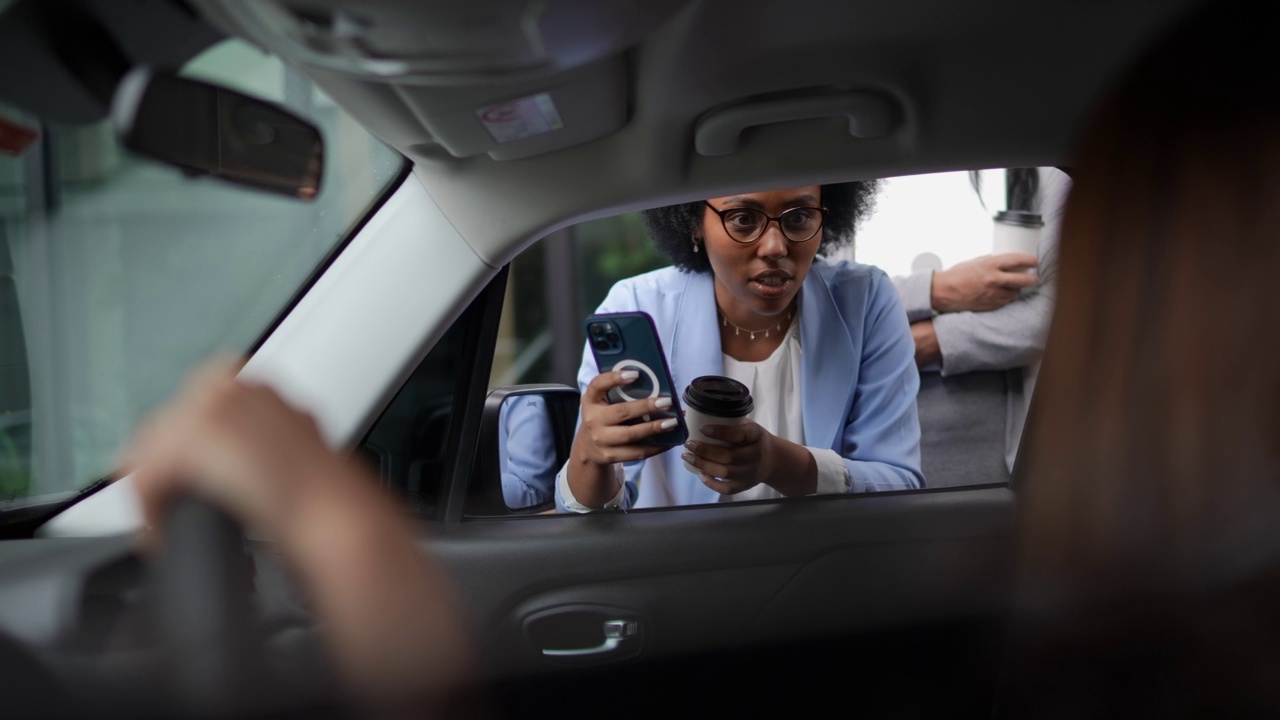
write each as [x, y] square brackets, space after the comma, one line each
[615, 632]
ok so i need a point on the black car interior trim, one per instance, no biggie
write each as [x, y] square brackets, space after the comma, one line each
[464, 431]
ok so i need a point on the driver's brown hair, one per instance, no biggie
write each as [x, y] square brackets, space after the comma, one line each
[1155, 437]
[1150, 509]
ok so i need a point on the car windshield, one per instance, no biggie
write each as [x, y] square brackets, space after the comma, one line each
[118, 275]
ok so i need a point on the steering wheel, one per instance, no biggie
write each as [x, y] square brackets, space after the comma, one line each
[203, 584]
[210, 654]
[210, 661]
[216, 650]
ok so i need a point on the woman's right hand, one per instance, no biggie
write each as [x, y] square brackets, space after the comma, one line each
[604, 439]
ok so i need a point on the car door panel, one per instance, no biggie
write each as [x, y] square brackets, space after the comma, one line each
[714, 577]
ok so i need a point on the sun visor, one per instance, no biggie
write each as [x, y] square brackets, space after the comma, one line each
[447, 42]
[525, 119]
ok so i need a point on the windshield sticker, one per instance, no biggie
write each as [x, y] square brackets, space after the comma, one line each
[15, 138]
[520, 119]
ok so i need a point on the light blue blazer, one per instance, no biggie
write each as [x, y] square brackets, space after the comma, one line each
[859, 379]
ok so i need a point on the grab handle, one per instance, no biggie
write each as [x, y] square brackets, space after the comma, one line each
[720, 132]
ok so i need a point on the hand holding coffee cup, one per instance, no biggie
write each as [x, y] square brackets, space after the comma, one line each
[983, 283]
[727, 446]
[1014, 231]
[715, 400]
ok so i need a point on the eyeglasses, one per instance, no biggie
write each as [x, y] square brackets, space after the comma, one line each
[746, 225]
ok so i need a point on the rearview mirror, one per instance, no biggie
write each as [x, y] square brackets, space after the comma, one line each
[210, 130]
[525, 435]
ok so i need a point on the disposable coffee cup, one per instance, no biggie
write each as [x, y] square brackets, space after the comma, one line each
[715, 400]
[1016, 232]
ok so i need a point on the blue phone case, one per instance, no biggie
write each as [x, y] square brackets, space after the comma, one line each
[629, 341]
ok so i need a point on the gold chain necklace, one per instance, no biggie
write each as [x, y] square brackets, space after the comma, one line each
[738, 329]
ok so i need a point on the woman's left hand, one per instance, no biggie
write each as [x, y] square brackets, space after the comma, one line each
[753, 456]
[745, 463]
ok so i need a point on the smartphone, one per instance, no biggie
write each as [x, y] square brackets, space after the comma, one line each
[629, 341]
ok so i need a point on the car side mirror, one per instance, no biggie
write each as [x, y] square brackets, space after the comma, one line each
[526, 432]
[205, 129]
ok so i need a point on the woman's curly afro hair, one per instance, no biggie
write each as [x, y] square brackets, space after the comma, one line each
[673, 228]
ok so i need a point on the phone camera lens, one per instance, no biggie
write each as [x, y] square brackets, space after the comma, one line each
[596, 329]
[613, 337]
[601, 344]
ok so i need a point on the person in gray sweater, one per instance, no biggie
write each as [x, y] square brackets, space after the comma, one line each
[979, 329]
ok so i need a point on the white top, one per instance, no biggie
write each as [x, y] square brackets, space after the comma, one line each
[776, 393]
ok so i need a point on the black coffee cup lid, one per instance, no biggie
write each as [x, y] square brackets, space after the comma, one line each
[1020, 218]
[720, 396]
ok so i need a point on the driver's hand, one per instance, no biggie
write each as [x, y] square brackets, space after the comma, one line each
[395, 627]
[236, 443]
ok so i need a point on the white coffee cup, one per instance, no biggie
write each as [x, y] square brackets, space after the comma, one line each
[715, 400]
[1016, 232]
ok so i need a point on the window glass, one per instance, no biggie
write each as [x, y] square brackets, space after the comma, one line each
[407, 445]
[977, 346]
[118, 275]
[945, 215]
[556, 284]
[976, 387]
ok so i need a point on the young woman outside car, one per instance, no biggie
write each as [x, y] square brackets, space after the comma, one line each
[823, 347]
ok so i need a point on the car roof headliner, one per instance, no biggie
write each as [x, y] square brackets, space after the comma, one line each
[980, 83]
